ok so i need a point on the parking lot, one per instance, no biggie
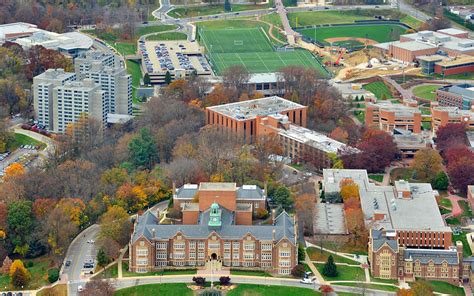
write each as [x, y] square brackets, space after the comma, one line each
[24, 155]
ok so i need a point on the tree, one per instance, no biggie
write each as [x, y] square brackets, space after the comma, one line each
[340, 135]
[301, 253]
[404, 292]
[14, 170]
[356, 226]
[168, 78]
[60, 230]
[298, 270]
[20, 226]
[42, 207]
[111, 247]
[146, 79]
[115, 224]
[304, 205]
[143, 150]
[421, 288]
[53, 275]
[224, 280]
[441, 181]
[219, 95]
[326, 290]
[102, 259]
[349, 190]
[282, 196]
[427, 163]
[200, 281]
[461, 173]
[450, 135]
[6, 265]
[235, 79]
[227, 6]
[3, 216]
[98, 287]
[330, 269]
[19, 275]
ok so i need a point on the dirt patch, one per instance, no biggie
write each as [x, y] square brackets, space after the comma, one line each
[361, 40]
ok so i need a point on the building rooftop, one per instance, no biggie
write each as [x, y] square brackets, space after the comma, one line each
[437, 39]
[8, 31]
[406, 141]
[245, 192]
[455, 112]
[456, 61]
[431, 58]
[147, 226]
[250, 109]
[413, 45]
[419, 211]
[330, 219]
[218, 186]
[466, 90]
[264, 78]
[452, 31]
[55, 74]
[399, 109]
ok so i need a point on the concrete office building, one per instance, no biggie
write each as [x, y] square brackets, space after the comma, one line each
[43, 86]
[459, 95]
[388, 116]
[105, 70]
[77, 99]
[442, 115]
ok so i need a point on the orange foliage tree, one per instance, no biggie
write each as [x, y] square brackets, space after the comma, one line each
[14, 170]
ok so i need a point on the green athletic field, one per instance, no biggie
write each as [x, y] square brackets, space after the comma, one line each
[376, 32]
[251, 48]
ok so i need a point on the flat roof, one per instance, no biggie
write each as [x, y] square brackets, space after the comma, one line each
[218, 186]
[399, 109]
[409, 141]
[413, 45]
[431, 58]
[329, 219]
[455, 112]
[264, 78]
[250, 109]
[419, 212]
[452, 31]
[461, 60]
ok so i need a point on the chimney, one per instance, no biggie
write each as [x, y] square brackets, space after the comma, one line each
[273, 216]
[273, 234]
[153, 233]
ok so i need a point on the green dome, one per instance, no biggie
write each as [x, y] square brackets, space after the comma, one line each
[214, 206]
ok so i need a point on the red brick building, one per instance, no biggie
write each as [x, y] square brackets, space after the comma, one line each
[387, 116]
[440, 116]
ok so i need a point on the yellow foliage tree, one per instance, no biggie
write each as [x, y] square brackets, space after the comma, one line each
[217, 178]
[3, 235]
[17, 264]
[14, 170]
[349, 190]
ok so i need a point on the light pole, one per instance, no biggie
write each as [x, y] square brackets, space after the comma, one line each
[212, 274]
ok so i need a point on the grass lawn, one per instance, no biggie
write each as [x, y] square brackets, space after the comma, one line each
[324, 17]
[376, 177]
[168, 36]
[426, 91]
[38, 274]
[155, 29]
[262, 290]
[445, 288]
[229, 24]
[465, 76]
[346, 273]
[453, 221]
[183, 12]
[133, 68]
[249, 272]
[21, 139]
[379, 33]
[386, 281]
[369, 286]
[444, 211]
[156, 289]
[466, 250]
[411, 21]
[111, 272]
[466, 209]
[58, 290]
[426, 126]
[425, 110]
[401, 174]
[317, 255]
[127, 273]
[360, 115]
[272, 18]
[125, 48]
[446, 203]
[379, 89]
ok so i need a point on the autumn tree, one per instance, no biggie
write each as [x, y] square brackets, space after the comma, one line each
[110, 246]
[461, 173]
[304, 205]
[19, 275]
[219, 95]
[6, 265]
[427, 163]
[115, 224]
[282, 196]
[349, 191]
[60, 230]
[14, 170]
[143, 152]
[377, 151]
[74, 209]
[450, 135]
[98, 287]
[339, 134]
[42, 207]
[3, 215]
[356, 225]
[235, 79]
[404, 292]
[20, 226]
[421, 288]
[131, 197]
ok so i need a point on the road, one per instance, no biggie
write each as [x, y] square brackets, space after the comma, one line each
[270, 281]
[410, 10]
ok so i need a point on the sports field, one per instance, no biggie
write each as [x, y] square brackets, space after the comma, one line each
[251, 48]
[377, 33]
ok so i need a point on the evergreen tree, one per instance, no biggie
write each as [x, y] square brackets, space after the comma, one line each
[143, 150]
[330, 269]
[282, 196]
[301, 253]
[168, 77]
[146, 79]
[102, 259]
[227, 6]
[441, 181]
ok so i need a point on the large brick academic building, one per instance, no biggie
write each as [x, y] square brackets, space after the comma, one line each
[216, 232]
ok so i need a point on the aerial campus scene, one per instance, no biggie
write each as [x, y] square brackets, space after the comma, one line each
[236, 147]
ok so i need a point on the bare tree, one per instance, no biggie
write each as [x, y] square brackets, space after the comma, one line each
[235, 79]
[98, 287]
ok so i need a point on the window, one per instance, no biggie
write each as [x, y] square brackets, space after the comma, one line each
[235, 245]
[141, 252]
[249, 246]
[161, 246]
[284, 263]
[179, 255]
[192, 255]
[266, 247]
[248, 256]
[201, 255]
[226, 245]
[266, 256]
[214, 245]
[142, 261]
[284, 271]
[200, 245]
[284, 253]
[235, 256]
[179, 245]
[192, 245]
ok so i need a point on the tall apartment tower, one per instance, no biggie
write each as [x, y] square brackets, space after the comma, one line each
[105, 70]
[76, 99]
[43, 86]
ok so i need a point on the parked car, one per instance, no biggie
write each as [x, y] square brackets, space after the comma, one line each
[308, 281]
[80, 288]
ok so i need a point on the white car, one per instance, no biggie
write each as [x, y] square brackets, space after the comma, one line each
[80, 288]
[308, 281]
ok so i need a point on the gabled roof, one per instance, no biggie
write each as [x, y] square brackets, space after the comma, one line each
[437, 256]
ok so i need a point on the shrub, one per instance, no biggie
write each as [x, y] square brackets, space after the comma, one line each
[224, 280]
[301, 253]
[30, 264]
[261, 213]
[298, 271]
[330, 269]
[198, 280]
[53, 275]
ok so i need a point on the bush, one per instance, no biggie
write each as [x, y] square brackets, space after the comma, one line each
[30, 264]
[53, 275]
[170, 203]
[298, 271]
[301, 253]
[330, 269]
[224, 280]
[441, 181]
[261, 214]
[198, 280]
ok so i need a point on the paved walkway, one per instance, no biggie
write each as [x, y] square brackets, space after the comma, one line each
[362, 259]
[456, 208]
[405, 93]
[290, 34]
[319, 277]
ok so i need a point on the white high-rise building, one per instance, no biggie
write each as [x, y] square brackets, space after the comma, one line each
[77, 99]
[43, 86]
[105, 70]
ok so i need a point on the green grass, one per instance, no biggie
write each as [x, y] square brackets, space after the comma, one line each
[183, 12]
[156, 289]
[127, 273]
[446, 288]
[317, 255]
[466, 209]
[464, 76]
[453, 221]
[411, 21]
[111, 272]
[325, 17]
[444, 211]
[252, 49]
[446, 203]
[466, 250]
[155, 29]
[401, 174]
[425, 110]
[249, 272]
[386, 281]
[377, 32]
[426, 126]
[168, 36]
[262, 290]
[346, 273]
[125, 48]
[360, 115]
[37, 272]
[273, 18]
[20, 139]
[427, 92]
[133, 68]
[369, 286]
[376, 177]
[379, 89]
[229, 24]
